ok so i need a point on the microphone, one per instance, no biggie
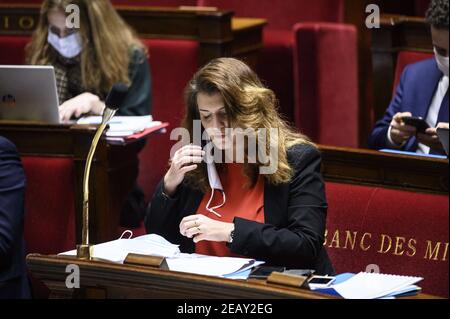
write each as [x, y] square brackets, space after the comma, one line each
[113, 102]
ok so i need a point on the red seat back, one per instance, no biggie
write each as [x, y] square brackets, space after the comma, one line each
[403, 59]
[401, 232]
[326, 83]
[49, 204]
[173, 63]
[13, 49]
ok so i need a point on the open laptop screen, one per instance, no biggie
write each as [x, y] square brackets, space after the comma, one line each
[28, 93]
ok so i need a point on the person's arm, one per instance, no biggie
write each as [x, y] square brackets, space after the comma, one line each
[139, 97]
[379, 138]
[12, 193]
[163, 213]
[301, 241]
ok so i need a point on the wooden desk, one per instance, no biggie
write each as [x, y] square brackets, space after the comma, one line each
[367, 167]
[217, 32]
[113, 173]
[397, 33]
[108, 280]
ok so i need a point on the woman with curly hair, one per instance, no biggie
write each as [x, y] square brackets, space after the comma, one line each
[241, 208]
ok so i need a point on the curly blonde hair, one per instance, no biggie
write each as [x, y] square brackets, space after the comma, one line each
[248, 105]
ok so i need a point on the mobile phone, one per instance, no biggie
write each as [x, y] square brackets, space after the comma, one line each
[443, 134]
[419, 123]
[316, 282]
[262, 272]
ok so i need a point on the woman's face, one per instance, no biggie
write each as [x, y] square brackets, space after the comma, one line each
[57, 23]
[214, 118]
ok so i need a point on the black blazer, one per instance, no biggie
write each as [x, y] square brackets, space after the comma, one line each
[295, 217]
[13, 276]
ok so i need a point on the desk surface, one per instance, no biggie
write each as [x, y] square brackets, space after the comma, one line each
[109, 280]
[373, 168]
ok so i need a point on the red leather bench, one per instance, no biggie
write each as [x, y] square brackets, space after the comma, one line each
[400, 232]
[326, 83]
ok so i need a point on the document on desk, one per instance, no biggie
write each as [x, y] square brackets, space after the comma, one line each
[227, 267]
[152, 244]
[372, 285]
[117, 250]
[122, 125]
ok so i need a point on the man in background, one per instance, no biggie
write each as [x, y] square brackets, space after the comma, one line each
[13, 275]
[422, 92]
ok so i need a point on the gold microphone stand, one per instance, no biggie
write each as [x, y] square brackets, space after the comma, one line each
[85, 250]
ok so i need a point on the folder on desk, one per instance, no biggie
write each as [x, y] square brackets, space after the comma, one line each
[152, 244]
[372, 286]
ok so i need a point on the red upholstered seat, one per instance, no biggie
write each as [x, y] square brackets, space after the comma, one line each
[49, 204]
[275, 64]
[173, 63]
[403, 59]
[399, 231]
[326, 82]
[12, 49]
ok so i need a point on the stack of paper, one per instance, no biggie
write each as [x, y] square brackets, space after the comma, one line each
[123, 129]
[117, 250]
[373, 285]
[122, 125]
[227, 267]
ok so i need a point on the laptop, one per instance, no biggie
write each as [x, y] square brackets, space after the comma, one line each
[28, 93]
[443, 135]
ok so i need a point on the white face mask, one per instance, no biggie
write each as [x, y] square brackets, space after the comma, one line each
[215, 184]
[442, 62]
[69, 47]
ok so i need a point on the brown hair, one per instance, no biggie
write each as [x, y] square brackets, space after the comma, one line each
[248, 105]
[107, 43]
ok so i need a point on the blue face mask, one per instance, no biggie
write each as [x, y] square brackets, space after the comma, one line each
[69, 47]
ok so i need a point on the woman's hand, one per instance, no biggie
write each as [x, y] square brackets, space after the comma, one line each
[203, 228]
[183, 161]
[79, 105]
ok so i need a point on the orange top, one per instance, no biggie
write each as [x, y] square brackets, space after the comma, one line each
[241, 201]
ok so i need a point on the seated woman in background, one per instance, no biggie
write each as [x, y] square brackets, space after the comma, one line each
[89, 60]
[238, 208]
